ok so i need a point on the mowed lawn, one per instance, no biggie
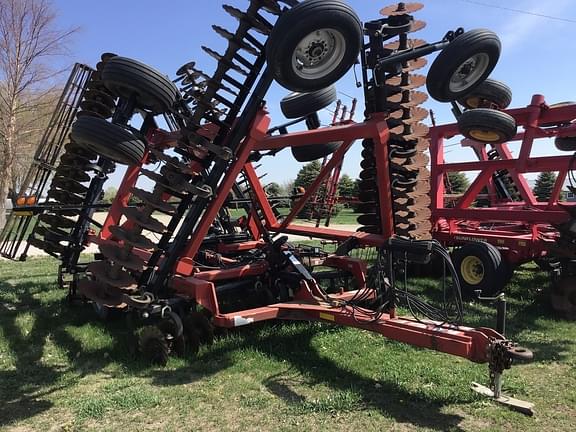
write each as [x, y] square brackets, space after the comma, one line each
[62, 370]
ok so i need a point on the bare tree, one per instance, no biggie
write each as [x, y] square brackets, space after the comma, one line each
[29, 42]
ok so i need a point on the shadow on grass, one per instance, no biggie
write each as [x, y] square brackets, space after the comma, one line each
[26, 388]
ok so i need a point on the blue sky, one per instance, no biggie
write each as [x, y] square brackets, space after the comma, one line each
[537, 54]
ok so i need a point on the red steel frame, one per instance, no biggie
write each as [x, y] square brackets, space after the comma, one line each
[309, 303]
[523, 229]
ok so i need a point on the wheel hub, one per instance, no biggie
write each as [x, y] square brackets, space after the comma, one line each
[469, 72]
[472, 270]
[484, 135]
[319, 53]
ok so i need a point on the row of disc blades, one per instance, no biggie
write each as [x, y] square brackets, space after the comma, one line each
[73, 174]
[407, 145]
[113, 282]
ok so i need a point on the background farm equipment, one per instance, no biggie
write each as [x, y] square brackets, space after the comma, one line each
[176, 281]
[507, 226]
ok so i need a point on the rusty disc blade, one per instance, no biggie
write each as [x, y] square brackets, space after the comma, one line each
[417, 26]
[415, 97]
[100, 96]
[179, 167]
[103, 272]
[410, 116]
[419, 130]
[410, 44]
[69, 184]
[97, 293]
[57, 221]
[407, 83]
[122, 257]
[147, 222]
[65, 197]
[415, 64]
[132, 238]
[163, 181]
[154, 201]
[75, 174]
[401, 9]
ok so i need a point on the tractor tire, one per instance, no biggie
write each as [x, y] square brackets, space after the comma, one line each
[108, 140]
[487, 125]
[126, 78]
[463, 65]
[314, 44]
[490, 92]
[480, 267]
[297, 105]
[565, 143]
[309, 153]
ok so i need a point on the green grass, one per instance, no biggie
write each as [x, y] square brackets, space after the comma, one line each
[345, 217]
[60, 369]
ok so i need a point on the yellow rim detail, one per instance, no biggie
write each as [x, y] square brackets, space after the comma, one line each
[472, 270]
[484, 135]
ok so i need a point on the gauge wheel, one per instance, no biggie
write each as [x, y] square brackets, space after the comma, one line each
[565, 143]
[314, 44]
[128, 78]
[297, 105]
[480, 267]
[309, 153]
[490, 93]
[487, 125]
[463, 65]
[108, 140]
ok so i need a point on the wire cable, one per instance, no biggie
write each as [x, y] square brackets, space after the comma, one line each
[525, 12]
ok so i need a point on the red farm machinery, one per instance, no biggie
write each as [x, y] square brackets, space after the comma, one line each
[173, 261]
[498, 223]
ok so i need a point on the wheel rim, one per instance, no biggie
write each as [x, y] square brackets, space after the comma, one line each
[469, 72]
[473, 102]
[472, 270]
[484, 135]
[319, 54]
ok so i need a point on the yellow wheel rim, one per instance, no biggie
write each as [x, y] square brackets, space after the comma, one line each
[483, 135]
[473, 102]
[472, 270]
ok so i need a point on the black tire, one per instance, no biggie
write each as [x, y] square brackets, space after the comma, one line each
[297, 105]
[345, 34]
[480, 267]
[565, 143]
[108, 140]
[489, 92]
[487, 125]
[309, 153]
[126, 77]
[479, 48]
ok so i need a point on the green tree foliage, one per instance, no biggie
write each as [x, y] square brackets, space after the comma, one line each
[307, 174]
[347, 188]
[273, 189]
[544, 185]
[456, 182]
[109, 195]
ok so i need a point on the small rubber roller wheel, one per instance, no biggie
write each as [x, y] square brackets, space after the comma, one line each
[297, 105]
[126, 78]
[488, 94]
[314, 44]
[108, 140]
[463, 65]
[487, 125]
